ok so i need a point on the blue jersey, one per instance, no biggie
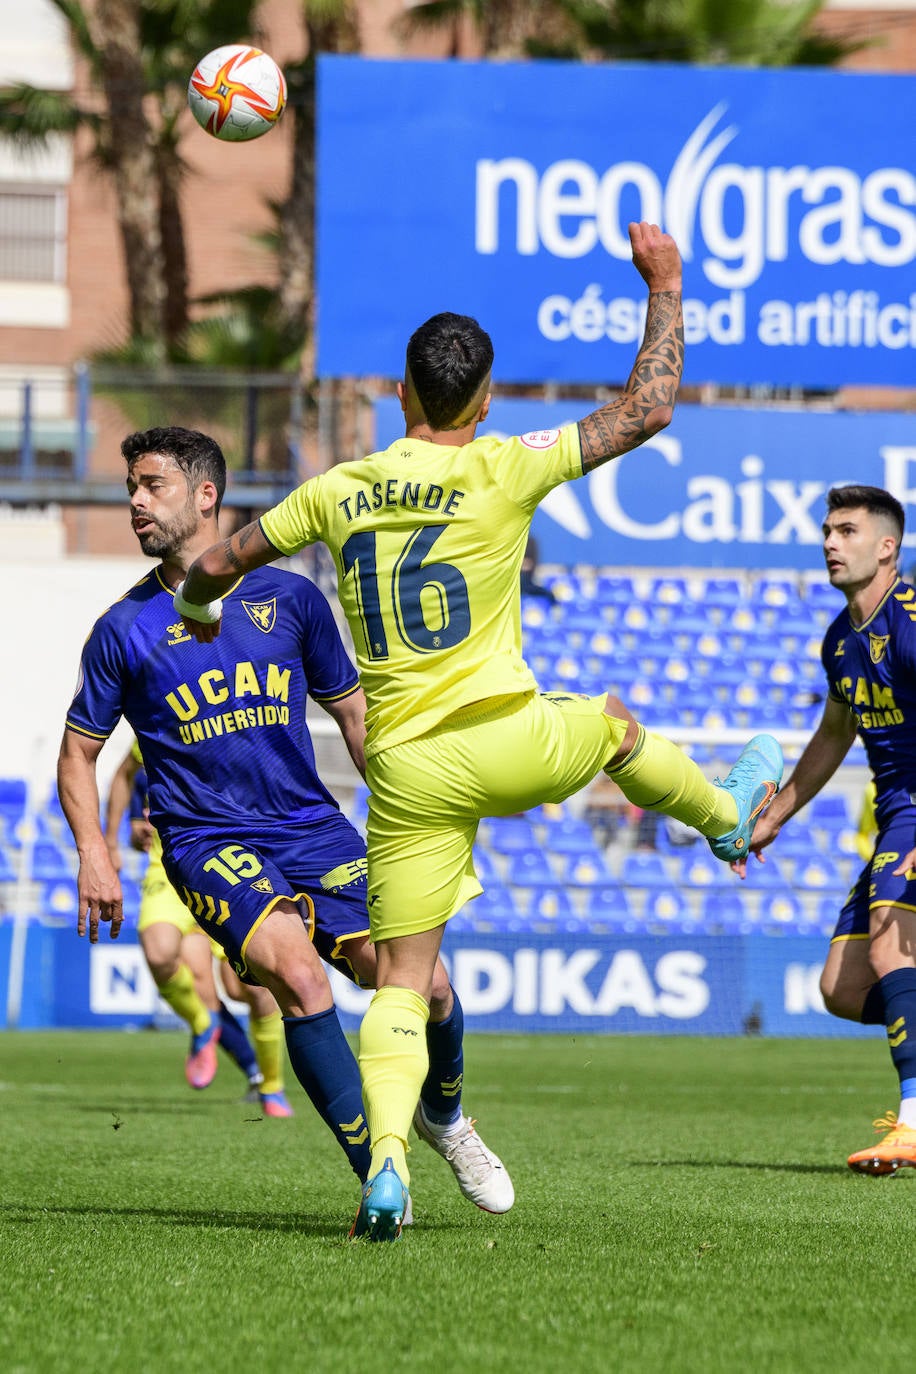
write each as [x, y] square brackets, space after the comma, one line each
[221, 727]
[872, 669]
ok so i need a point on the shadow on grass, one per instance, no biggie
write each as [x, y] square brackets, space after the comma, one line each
[283, 1222]
[156, 1105]
[768, 1167]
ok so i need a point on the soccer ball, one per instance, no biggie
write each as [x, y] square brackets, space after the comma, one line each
[237, 93]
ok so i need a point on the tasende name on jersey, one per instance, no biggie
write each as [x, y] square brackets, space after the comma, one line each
[732, 219]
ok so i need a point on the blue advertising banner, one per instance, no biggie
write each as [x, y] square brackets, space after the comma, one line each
[720, 487]
[531, 981]
[504, 191]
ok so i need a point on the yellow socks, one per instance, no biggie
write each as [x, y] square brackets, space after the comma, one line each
[267, 1034]
[658, 776]
[393, 1062]
[182, 997]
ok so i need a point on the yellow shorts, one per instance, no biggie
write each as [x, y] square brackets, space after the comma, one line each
[159, 902]
[427, 795]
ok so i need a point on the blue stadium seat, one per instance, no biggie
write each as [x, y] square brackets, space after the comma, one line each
[768, 874]
[610, 908]
[615, 588]
[493, 908]
[668, 907]
[551, 904]
[723, 591]
[13, 797]
[57, 902]
[698, 868]
[570, 835]
[485, 865]
[727, 911]
[644, 868]
[530, 868]
[510, 835]
[49, 863]
[588, 870]
[782, 912]
[829, 811]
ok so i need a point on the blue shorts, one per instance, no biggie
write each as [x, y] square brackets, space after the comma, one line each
[876, 885]
[231, 883]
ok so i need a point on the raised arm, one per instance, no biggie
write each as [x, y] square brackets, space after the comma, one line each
[98, 885]
[197, 599]
[647, 402]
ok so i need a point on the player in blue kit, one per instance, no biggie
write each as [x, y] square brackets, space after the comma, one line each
[251, 837]
[869, 657]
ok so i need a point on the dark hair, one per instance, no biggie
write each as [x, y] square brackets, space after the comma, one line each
[199, 457]
[448, 358]
[875, 500]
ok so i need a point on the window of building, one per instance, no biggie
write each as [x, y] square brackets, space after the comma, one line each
[33, 233]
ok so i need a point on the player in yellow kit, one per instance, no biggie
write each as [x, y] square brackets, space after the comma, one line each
[180, 956]
[428, 538]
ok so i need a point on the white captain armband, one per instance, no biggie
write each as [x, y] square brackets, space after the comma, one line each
[207, 614]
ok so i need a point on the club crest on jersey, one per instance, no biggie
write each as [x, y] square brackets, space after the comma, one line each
[262, 613]
[262, 885]
[178, 634]
[877, 644]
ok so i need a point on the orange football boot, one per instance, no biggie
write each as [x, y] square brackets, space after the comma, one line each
[896, 1151]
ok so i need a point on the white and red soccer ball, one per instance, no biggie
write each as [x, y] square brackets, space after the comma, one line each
[237, 93]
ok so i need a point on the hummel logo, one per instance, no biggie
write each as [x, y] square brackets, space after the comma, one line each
[404, 1030]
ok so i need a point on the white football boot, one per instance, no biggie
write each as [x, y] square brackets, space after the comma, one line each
[482, 1176]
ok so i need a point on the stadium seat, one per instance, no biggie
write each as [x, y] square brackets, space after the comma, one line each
[495, 907]
[13, 797]
[610, 908]
[530, 868]
[57, 903]
[727, 912]
[510, 835]
[668, 907]
[698, 868]
[49, 863]
[769, 874]
[781, 913]
[551, 904]
[589, 870]
[570, 835]
[829, 811]
[644, 868]
[723, 591]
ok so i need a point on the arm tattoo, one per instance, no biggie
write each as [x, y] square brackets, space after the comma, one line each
[650, 392]
[231, 556]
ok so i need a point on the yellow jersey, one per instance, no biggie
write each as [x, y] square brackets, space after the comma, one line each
[428, 541]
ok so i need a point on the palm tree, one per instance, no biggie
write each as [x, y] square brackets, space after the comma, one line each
[759, 33]
[133, 49]
[331, 26]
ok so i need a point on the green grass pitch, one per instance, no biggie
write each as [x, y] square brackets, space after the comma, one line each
[682, 1205]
